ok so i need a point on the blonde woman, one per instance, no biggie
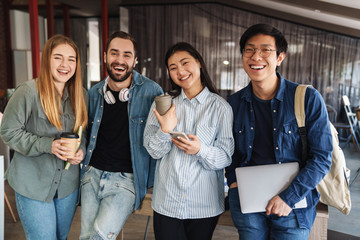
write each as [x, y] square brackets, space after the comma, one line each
[37, 113]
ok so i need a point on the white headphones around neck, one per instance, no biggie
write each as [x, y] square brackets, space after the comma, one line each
[109, 97]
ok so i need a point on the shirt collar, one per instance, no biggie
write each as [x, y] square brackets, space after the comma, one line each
[201, 97]
[279, 94]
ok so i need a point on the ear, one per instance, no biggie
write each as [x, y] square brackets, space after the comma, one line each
[135, 60]
[281, 58]
[104, 57]
[198, 63]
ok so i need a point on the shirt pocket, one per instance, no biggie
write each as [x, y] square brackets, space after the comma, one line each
[290, 137]
[69, 122]
[206, 134]
[43, 126]
[239, 134]
[136, 129]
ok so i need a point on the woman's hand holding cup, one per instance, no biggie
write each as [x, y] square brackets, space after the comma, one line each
[167, 121]
[65, 148]
[59, 148]
[79, 156]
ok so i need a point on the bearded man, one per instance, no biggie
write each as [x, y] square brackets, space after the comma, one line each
[117, 169]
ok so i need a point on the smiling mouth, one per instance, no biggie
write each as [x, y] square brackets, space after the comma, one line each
[63, 71]
[257, 67]
[184, 78]
[119, 68]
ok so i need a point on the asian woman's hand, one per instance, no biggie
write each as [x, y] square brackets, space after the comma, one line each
[79, 156]
[191, 146]
[169, 120]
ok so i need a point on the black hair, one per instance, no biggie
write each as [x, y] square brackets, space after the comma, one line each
[204, 75]
[123, 35]
[280, 41]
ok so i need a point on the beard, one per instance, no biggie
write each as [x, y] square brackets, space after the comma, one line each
[119, 78]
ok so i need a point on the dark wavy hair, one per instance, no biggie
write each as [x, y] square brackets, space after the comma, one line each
[123, 35]
[266, 29]
[204, 75]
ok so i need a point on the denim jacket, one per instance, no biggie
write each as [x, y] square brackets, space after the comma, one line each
[141, 96]
[287, 143]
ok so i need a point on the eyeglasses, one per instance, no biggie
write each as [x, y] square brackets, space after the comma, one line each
[263, 52]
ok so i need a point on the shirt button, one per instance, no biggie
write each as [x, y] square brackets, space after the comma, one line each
[274, 129]
[141, 121]
[250, 146]
[277, 148]
[93, 136]
[274, 111]
[252, 128]
[98, 120]
[240, 131]
[101, 105]
[90, 150]
[289, 131]
[59, 169]
[55, 182]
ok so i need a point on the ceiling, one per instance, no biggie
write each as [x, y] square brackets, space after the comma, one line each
[341, 16]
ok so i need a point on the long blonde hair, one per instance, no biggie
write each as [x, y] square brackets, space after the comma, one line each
[45, 84]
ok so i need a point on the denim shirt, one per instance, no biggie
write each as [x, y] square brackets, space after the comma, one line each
[287, 142]
[141, 96]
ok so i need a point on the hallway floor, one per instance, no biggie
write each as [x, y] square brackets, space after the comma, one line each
[340, 227]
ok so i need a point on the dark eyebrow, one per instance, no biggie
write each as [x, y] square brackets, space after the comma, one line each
[115, 50]
[184, 59]
[179, 61]
[262, 45]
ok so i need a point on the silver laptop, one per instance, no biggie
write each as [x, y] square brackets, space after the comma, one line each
[259, 184]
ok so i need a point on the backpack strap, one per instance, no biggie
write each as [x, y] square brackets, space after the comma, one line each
[299, 109]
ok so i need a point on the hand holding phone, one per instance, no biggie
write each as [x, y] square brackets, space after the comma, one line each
[175, 135]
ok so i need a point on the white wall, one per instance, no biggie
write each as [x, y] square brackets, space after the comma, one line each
[21, 44]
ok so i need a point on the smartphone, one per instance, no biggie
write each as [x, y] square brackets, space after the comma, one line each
[175, 135]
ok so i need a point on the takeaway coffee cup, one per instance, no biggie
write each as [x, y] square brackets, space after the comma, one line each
[72, 138]
[163, 103]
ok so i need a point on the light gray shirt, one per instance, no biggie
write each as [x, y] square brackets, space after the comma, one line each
[192, 186]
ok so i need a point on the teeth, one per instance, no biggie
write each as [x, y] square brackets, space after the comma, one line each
[63, 71]
[256, 67]
[119, 68]
[184, 78]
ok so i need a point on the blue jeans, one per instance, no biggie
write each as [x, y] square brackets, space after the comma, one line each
[107, 200]
[48, 221]
[260, 226]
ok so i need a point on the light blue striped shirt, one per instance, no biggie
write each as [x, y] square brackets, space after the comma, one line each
[192, 186]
